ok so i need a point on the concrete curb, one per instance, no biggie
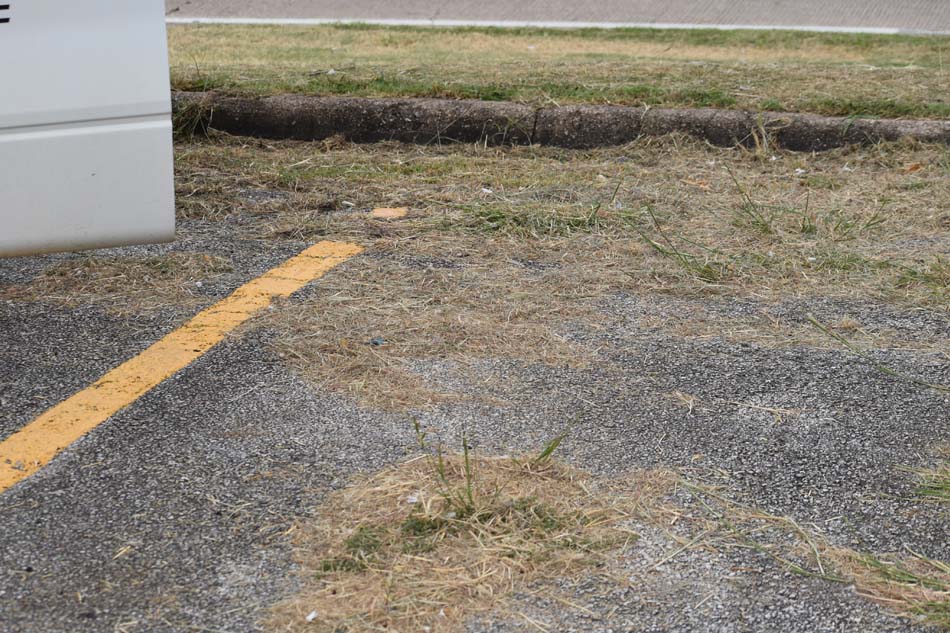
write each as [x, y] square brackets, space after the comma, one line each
[499, 123]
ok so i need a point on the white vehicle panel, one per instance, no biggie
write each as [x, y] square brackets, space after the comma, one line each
[85, 125]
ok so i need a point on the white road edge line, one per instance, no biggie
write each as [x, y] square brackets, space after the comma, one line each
[515, 24]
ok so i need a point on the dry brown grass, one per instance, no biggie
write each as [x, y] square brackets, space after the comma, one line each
[852, 223]
[910, 584]
[441, 539]
[422, 546]
[255, 45]
[451, 298]
[123, 284]
[503, 250]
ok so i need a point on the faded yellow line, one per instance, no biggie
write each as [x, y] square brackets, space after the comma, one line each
[33, 446]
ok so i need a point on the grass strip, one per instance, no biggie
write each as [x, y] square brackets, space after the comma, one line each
[831, 74]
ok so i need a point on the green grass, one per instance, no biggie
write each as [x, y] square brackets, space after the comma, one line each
[365, 541]
[834, 74]
[935, 484]
[918, 584]
[872, 43]
[870, 107]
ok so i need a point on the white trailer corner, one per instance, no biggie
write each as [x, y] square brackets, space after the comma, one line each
[85, 125]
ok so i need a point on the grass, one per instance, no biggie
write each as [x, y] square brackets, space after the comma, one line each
[123, 284]
[443, 539]
[847, 75]
[497, 239]
[934, 483]
[427, 544]
[908, 583]
[912, 584]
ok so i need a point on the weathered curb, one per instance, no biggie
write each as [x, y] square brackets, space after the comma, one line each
[500, 123]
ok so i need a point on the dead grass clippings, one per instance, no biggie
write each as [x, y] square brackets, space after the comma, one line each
[505, 249]
[430, 543]
[123, 284]
[909, 583]
[459, 299]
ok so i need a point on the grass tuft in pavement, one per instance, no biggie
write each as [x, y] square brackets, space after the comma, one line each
[912, 584]
[909, 584]
[445, 538]
[426, 544]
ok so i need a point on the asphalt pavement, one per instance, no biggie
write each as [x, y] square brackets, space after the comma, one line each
[848, 15]
[177, 513]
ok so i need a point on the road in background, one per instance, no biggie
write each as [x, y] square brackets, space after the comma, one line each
[920, 16]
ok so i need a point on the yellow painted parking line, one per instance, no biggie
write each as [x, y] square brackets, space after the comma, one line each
[33, 446]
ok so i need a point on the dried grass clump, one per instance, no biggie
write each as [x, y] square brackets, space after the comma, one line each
[426, 544]
[433, 542]
[912, 585]
[123, 284]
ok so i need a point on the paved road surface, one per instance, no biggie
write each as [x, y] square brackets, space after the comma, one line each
[870, 15]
